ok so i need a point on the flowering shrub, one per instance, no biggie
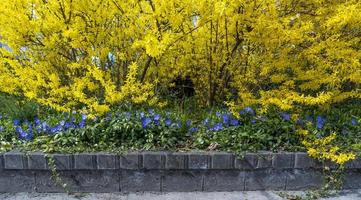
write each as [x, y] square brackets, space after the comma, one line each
[91, 55]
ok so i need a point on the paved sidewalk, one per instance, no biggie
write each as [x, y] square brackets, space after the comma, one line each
[256, 195]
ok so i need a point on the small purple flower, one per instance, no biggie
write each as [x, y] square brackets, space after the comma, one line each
[168, 122]
[37, 121]
[84, 117]
[299, 121]
[353, 121]
[56, 129]
[193, 130]
[217, 127]
[45, 127]
[16, 122]
[253, 121]
[226, 118]
[142, 115]
[285, 116]
[218, 114]
[82, 124]
[188, 123]
[156, 117]
[205, 122]
[146, 121]
[246, 110]
[309, 118]
[24, 135]
[235, 122]
[320, 122]
[1, 128]
[151, 112]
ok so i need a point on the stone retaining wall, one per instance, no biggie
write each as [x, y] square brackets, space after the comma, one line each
[167, 172]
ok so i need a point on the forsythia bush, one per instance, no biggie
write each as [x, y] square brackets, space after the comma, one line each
[93, 54]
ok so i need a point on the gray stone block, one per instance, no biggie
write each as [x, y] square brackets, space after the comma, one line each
[175, 161]
[182, 181]
[84, 161]
[267, 179]
[153, 160]
[37, 161]
[249, 161]
[130, 161]
[283, 160]
[198, 161]
[1, 162]
[222, 161]
[304, 161]
[264, 160]
[352, 179]
[140, 181]
[354, 164]
[94, 181]
[224, 180]
[17, 181]
[304, 180]
[107, 161]
[15, 160]
[63, 161]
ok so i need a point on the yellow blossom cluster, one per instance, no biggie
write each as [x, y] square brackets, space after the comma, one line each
[91, 55]
[325, 149]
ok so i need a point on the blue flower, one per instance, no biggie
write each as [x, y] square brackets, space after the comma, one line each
[235, 122]
[1, 128]
[246, 110]
[62, 123]
[353, 121]
[37, 121]
[83, 116]
[168, 122]
[16, 122]
[142, 114]
[217, 127]
[218, 114]
[253, 121]
[193, 130]
[45, 127]
[56, 129]
[205, 122]
[24, 135]
[285, 116]
[82, 124]
[1, 117]
[156, 117]
[320, 122]
[146, 121]
[309, 118]
[188, 123]
[299, 121]
[225, 118]
[151, 112]
[68, 125]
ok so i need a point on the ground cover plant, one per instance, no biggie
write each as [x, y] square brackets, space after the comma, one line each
[232, 75]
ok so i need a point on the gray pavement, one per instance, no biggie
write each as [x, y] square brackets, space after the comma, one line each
[254, 195]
